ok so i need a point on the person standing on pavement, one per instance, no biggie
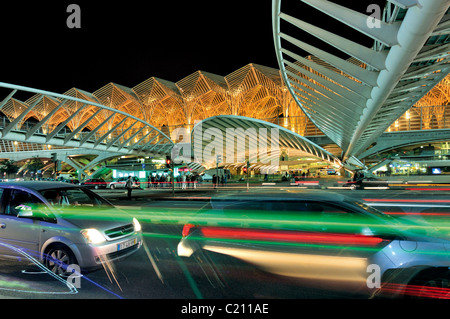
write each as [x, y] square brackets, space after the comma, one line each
[129, 186]
[214, 180]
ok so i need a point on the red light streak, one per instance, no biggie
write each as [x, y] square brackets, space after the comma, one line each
[416, 290]
[408, 200]
[187, 229]
[291, 236]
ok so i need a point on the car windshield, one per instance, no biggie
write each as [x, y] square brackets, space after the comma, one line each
[374, 211]
[415, 226]
[73, 197]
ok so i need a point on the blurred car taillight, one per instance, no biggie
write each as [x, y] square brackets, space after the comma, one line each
[187, 229]
[291, 236]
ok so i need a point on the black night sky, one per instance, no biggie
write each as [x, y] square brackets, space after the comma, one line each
[127, 42]
[130, 42]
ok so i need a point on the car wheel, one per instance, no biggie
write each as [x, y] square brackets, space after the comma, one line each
[57, 259]
[112, 186]
[353, 187]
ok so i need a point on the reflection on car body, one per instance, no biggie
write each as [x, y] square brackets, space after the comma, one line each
[64, 224]
[324, 237]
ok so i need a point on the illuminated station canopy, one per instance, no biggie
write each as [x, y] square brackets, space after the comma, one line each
[352, 101]
[133, 120]
[239, 139]
[114, 117]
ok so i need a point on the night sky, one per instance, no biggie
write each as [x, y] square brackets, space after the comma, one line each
[127, 42]
[131, 42]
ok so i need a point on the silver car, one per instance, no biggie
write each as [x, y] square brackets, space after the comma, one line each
[62, 224]
[323, 238]
[122, 181]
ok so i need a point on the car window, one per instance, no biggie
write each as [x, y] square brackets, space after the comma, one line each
[2, 191]
[346, 219]
[301, 215]
[70, 197]
[18, 200]
[304, 215]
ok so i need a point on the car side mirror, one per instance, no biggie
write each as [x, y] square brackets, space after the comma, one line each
[24, 211]
[34, 213]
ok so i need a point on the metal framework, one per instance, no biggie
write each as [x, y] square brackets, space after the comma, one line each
[77, 119]
[117, 119]
[354, 95]
[256, 141]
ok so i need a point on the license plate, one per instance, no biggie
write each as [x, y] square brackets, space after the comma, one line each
[127, 244]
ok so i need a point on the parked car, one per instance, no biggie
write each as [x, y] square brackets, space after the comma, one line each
[323, 238]
[62, 224]
[96, 183]
[121, 182]
[367, 183]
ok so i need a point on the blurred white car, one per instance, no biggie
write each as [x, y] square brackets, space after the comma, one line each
[121, 182]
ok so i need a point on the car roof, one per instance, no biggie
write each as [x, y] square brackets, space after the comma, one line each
[271, 196]
[314, 195]
[37, 185]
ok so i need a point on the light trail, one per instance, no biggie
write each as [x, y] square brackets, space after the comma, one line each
[406, 200]
[417, 290]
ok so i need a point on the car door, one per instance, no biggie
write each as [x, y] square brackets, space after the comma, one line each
[18, 233]
[340, 243]
[121, 182]
[315, 240]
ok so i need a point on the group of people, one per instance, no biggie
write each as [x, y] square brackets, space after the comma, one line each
[216, 180]
[295, 176]
[181, 181]
[187, 181]
[158, 180]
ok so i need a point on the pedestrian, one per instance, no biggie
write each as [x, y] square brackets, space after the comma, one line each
[129, 186]
[194, 181]
[214, 180]
[188, 180]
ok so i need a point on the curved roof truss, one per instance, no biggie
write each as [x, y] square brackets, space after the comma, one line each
[83, 122]
[355, 94]
[239, 139]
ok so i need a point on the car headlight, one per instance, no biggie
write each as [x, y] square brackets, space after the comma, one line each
[93, 236]
[137, 225]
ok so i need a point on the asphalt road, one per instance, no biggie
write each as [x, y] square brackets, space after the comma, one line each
[156, 272]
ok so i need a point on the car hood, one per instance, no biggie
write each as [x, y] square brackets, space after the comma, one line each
[101, 219]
